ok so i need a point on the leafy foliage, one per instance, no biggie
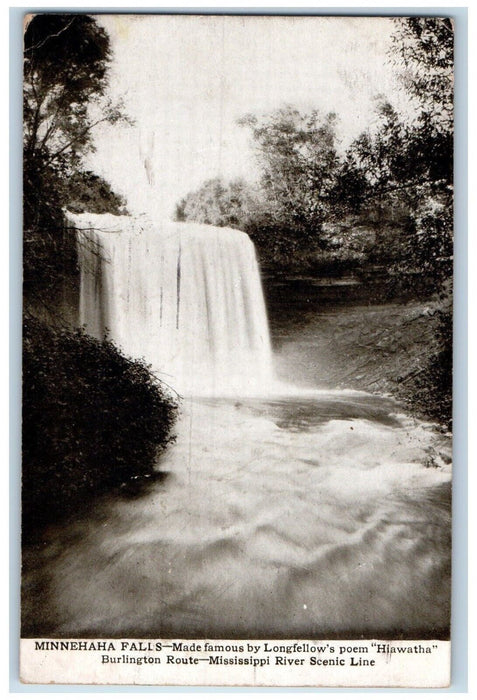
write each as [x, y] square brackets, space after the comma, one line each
[92, 419]
[219, 204]
[299, 165]
[425, 46]
[66, 60]
[412, 164]
[87, 192]
[65, 65]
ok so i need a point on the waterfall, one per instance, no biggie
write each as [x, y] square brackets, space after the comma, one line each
[185, 297]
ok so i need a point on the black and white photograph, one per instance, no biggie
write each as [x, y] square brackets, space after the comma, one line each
[237, 349]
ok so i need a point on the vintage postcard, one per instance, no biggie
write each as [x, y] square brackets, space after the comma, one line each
[237, 350]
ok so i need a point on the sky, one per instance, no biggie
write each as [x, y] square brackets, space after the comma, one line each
[185, 82]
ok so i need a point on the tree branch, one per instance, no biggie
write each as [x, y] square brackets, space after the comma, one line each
[79, 136]
[50, 36]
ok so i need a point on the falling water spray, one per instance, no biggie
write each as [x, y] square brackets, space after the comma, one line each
[185, 297]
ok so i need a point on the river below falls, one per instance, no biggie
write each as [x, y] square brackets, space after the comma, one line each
[310, 516]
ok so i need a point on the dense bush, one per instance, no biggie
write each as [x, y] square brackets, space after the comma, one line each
[91, 420]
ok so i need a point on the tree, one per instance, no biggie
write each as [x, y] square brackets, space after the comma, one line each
[425, 48]
[86, 191]
[66, 59]
[299, 165]
[219, 203]
[425, 45]
[409, 165]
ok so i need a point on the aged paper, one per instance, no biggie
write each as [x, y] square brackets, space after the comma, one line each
[237, 350]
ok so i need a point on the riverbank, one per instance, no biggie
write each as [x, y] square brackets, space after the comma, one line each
[386, 348]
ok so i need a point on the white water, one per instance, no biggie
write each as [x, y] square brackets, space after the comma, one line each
[185, 297]
[287, 518]
[323, 514]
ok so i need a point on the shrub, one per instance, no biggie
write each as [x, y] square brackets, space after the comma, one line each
[92, 419]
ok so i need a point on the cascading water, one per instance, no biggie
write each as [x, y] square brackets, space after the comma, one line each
[309, 515]
[185, 297]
